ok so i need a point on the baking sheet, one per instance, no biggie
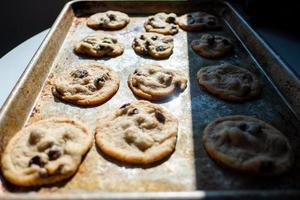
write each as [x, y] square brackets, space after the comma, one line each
[188, 168]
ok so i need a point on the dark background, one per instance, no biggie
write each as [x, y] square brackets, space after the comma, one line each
[276, 21]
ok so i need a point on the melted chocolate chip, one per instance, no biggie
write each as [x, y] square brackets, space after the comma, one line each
[112, 17]
[154, 37]
[160, 117]
[226, 42]
[171, 19]
[54, 154]
[266, 166]
[80, 73]
[125, 105]
[243, 127]
[160, 48]
[191, 20]
[36, 160]
[211, 23]
[103, 78]
[211, 40]
[133, 112]
[142, 37]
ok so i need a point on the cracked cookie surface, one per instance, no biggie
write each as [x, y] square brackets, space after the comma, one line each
[98, 45]
[153, 44]
[162, 23]
[110, 20]
[86, 84]
[45, 152]
[212, 46]
[153, 82]
[196, 21]
[248, 145]
[139, 133]
[229, 82]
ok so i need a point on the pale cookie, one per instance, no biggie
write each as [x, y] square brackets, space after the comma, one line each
[212, 46]
[86, 85]
[154, 82]
[45, 152]
[162, 23]
[110, 20]
[196, 21]
[229, 82]
[99, 45]
[248, 145]
[153, 44]
[139, 133]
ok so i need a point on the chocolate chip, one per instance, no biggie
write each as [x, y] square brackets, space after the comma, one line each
[142, 37]
[125, 105]
[133, 112]
[247, 77]
[211, 23]
[137, 73]
[160, 48]
[243, 127]
[171, 19]
[112, 17]
[246, 89]
[103, 78]
[154, 37]
[211, 40]
[191, 20]
[226, 42]
[160, 117]
[54, 154]
[266, 166]
[36, 160]
[80, 73]
[254, 129]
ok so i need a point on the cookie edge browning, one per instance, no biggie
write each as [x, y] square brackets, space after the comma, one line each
[229, 97]
[204, 54]
[94, 101]
[224, 161]
[30, 182]
[120, 156]
[138, 92]
[96, 27]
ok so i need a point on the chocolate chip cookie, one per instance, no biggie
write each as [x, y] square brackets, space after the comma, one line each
[229, 82]
[246, 144]
[162, 23]
[99, 45]
[154, 82]
[139, 133]
[45, 152]
[212, 46]
[153, 44]
[110, 20]
[86, 85]
[196, 21]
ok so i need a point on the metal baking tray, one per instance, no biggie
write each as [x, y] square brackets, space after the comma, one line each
[188, 173]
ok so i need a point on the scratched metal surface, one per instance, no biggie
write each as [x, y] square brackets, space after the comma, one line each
[188, 168]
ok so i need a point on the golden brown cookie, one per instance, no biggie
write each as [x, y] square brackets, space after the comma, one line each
[98, 45]
[139, 133]
[212, 46]
[229, 82]
[45, 152]
[196, 21]
[154, 82]
[86, 84]
[162, 23]
[109, 20]
[246, 144]
[153, 44]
